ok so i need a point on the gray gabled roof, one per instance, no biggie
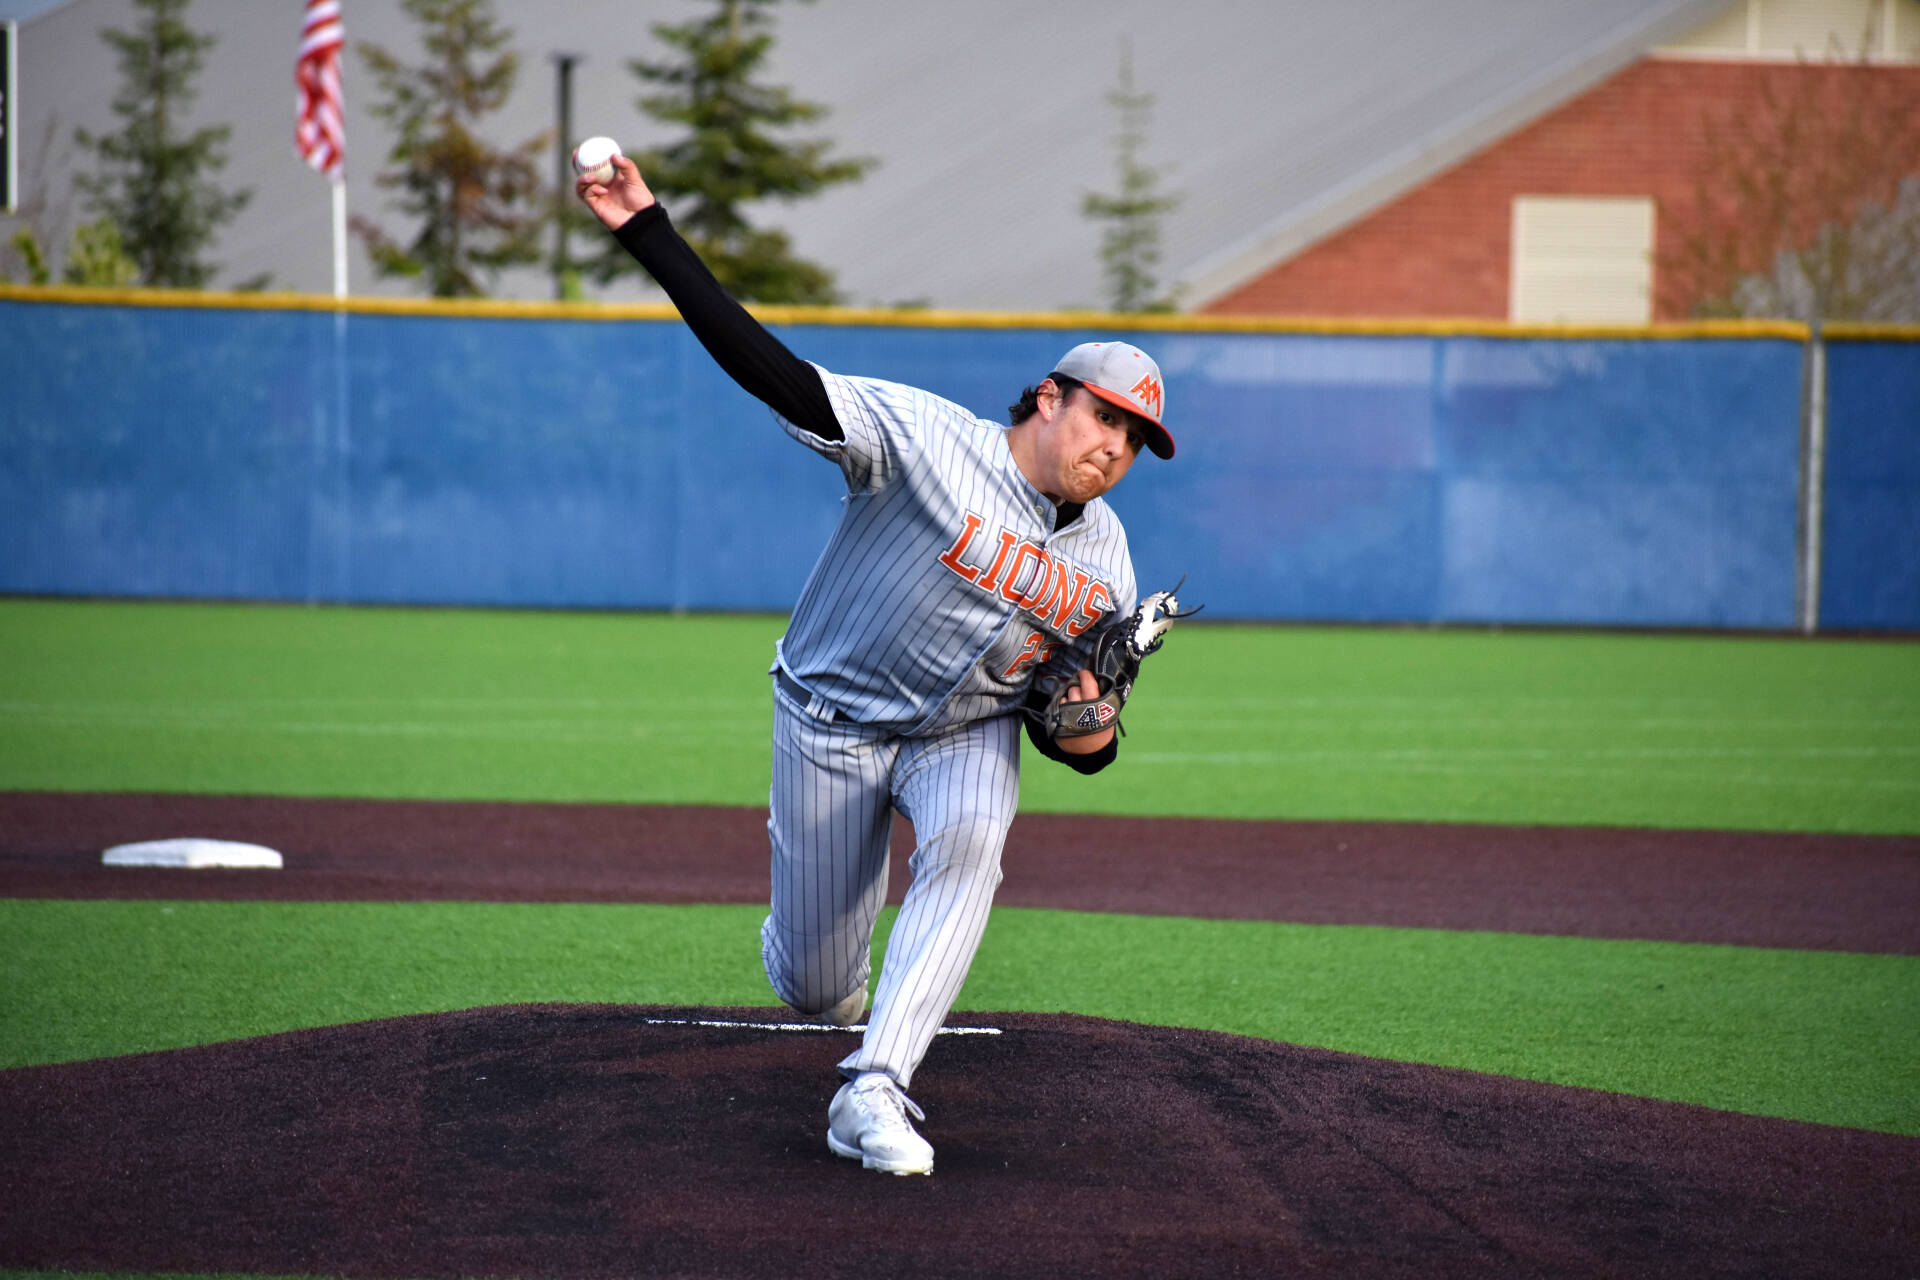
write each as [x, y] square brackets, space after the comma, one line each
[1275, 123]
[19, 10]
[1481, 91]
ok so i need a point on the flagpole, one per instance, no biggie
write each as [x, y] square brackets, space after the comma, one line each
[319, 132]
[339, 237]
[319, 137]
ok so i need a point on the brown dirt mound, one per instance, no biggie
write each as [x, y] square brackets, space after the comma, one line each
[597, 1141]
[1844, 893]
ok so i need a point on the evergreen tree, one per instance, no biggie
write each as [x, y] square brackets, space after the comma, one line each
[1130, 245]
[150, 182]
[25, 249]
[480, 209]
[98, 259]
[731, 157]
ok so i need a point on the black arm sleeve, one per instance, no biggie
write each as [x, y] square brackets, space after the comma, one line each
[738, 343]
[1092, 762]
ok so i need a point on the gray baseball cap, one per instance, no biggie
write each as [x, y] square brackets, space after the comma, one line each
[1124, 375]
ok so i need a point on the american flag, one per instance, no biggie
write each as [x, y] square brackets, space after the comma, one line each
[319, 135]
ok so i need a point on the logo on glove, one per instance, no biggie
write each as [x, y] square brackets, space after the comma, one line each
[1095, 716]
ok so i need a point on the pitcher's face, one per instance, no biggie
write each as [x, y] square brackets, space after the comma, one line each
[1082, 445]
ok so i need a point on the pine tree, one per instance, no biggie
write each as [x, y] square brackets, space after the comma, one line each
[480, 209]
[1130, 246]
[731, 157]
[151, 180]
[98, 258]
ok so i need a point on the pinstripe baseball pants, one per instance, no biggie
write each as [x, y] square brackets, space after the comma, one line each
[835, 787]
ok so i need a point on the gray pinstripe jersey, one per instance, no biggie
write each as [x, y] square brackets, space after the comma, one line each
[945, 589]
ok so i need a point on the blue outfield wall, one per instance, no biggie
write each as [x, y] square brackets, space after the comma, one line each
[544, 460]
[1478, 479]
[1870, 530]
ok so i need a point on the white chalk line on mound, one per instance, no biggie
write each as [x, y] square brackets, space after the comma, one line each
[803, 1026]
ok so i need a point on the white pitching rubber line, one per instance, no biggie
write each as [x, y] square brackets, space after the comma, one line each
[805, 1026]
[191, 852]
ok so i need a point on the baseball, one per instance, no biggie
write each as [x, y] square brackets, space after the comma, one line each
[594, 159]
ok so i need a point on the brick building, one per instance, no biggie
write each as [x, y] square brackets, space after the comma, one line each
[1613, 205]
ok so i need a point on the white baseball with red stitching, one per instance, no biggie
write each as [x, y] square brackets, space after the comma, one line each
[594, 159]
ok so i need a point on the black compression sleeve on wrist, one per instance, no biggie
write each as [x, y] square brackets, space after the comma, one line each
[738, 343]
[1092, 762]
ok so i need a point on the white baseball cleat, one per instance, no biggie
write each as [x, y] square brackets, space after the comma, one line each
[847, 1012]
[867, 1121]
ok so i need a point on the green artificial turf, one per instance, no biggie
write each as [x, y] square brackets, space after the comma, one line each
[1823, 1036]
[1739, 732]
[1232, 721]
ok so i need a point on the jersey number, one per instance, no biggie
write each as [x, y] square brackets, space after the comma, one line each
[1037, 649]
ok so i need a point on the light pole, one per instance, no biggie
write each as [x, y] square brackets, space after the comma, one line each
[563, 281]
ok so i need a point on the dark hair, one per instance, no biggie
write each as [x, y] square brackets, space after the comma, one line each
[1029, 402]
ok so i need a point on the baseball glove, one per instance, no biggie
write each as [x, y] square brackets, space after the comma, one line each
[1115, 664]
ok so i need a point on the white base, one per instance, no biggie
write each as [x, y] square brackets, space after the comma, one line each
[191, 851]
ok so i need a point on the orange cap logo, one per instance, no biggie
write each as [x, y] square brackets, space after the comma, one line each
[1147, 392]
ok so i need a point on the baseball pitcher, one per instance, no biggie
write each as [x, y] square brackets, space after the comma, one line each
[976, 586]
